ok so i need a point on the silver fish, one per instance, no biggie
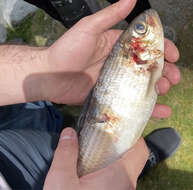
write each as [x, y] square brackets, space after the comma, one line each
[121, 103]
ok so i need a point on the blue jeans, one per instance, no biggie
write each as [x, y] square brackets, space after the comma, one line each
[29, 135]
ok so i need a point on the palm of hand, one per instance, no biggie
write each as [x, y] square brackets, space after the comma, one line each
[85, 53]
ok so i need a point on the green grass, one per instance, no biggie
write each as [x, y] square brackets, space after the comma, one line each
[177, 172]
[37, 29]
[185, 43]
[21, 30]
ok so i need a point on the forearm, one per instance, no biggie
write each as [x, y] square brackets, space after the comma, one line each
[21, 68]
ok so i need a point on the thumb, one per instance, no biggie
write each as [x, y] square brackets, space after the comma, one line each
[66, 154]
[108, 17]
[134, 160]
[63, 169]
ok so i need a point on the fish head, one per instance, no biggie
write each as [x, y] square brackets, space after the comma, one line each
[143, 41]
[147, 28]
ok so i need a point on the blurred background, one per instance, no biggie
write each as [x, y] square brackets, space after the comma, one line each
[22, 23]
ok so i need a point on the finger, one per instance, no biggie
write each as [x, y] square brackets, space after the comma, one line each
[172, 73]
[162, 86]
[161, 111]
[108, 17]
[171, 52]
[134, 160]
[66, 154]
[105, 45]
[110, 37]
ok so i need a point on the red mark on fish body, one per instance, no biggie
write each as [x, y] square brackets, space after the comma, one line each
[152, 67]
[135, 58]
[137, 48]
[138, 60]
[110, 118]
[116, 139]
[141, 62]
[136, 45]
[106, 117]
[151, 21]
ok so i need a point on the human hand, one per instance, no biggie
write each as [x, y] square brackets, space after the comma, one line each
[77, 57]
[120, 175]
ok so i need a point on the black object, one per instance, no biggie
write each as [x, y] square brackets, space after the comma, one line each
[71, 11]
[47, 7]
[162, 144]
[140, 7]
[66, 11]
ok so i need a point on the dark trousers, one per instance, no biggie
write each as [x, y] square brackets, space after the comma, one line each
[29, 134]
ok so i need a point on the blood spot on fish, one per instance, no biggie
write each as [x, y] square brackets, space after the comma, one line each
[107, 116]
[115, 139]
[152, 66]
[102, 118]
[112, 118]
[138, 60]
[127, 63]
[151, 22]
[136, 45]
[133, 48]
[141, 70]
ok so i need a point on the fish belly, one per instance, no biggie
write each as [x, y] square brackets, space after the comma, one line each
[120, 107]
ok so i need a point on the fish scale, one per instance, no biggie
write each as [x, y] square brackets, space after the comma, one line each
[123, 99]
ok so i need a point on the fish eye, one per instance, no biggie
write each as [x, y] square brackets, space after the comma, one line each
[140, 28]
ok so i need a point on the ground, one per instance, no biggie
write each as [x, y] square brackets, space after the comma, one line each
[177, 172]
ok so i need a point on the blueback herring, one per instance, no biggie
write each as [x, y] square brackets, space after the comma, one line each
[123, 99]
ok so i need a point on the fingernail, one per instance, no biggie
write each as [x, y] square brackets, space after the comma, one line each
[67, 134]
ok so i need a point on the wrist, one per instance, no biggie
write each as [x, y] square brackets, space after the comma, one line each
[37, 70]
[21, 68]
